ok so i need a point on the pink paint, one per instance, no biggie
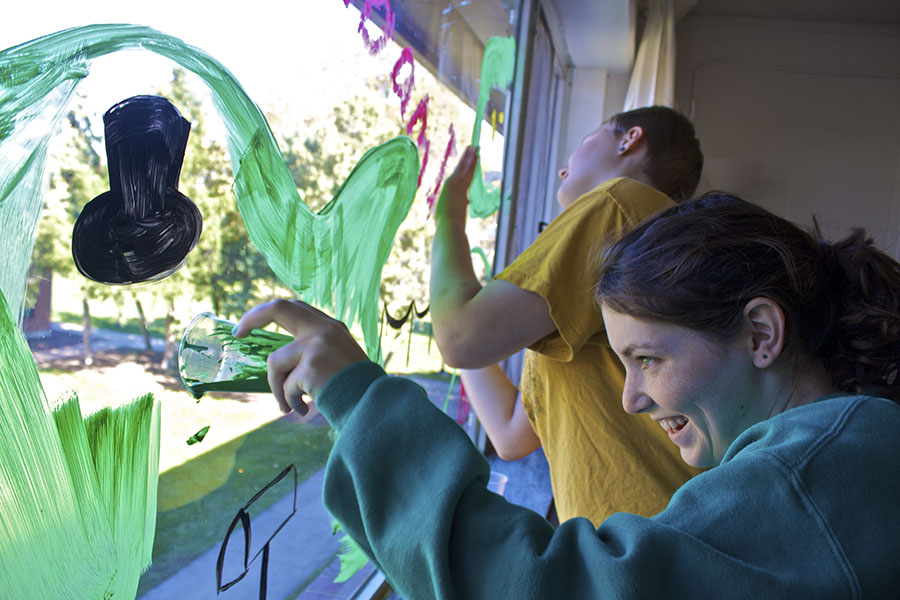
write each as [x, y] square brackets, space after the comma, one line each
[450, 151]
[420, 116]
[462, 411]
[376, 46]
[404, 90]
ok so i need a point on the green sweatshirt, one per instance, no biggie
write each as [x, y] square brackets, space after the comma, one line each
[804, 505]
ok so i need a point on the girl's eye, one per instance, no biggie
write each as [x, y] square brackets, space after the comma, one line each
[647, 361]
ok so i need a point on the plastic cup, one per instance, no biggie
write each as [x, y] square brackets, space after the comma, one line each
[211, 359]
[497, 483]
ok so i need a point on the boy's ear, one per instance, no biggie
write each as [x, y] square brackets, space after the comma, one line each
[630, 139]
[766, 324]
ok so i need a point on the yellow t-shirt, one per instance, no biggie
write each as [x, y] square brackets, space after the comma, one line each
[602, 460]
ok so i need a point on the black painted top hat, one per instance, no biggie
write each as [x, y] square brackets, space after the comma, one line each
[143, 228]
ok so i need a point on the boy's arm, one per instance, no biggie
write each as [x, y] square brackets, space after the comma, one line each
[496, 402]
[475, 326]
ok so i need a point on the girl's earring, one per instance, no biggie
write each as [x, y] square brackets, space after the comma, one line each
[765, 356]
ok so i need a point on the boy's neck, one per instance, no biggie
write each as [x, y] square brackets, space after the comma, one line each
[635, 175]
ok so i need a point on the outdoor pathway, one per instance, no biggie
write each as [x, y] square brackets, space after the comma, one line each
[298, 552]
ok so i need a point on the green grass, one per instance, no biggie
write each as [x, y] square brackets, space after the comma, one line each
[184, 533]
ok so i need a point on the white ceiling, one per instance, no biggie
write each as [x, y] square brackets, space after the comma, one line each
[879, 12]
[600, 33]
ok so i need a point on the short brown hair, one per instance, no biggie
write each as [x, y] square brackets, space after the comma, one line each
[674, 160]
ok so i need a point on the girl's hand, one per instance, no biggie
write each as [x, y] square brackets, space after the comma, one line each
[322, 346]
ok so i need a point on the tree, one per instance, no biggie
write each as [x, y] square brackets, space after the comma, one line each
[80, 178]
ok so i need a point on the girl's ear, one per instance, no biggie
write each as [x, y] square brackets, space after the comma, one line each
[766, 324]
[630, 139]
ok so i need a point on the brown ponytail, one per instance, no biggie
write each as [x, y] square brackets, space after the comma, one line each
[697, 264]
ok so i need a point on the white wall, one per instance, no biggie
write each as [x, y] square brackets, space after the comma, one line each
[801, 117]
[595, 95]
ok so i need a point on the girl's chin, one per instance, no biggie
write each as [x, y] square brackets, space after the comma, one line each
[698, 459]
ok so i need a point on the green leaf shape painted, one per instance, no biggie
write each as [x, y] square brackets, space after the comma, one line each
[333, 258]
[497, 69]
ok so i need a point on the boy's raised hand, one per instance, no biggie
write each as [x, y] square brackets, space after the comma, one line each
[453, 201]
[322, 347]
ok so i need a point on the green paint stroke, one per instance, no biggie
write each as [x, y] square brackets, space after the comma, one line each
[124, 443]
[484, 260]
[497, 69]
[198, 437]
[78, 501]
[332, 258]
[351, 555]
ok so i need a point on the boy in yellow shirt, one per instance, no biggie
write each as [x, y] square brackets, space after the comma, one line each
[601, 459]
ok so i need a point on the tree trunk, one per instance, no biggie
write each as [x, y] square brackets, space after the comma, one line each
[38, 318]
[143, 320]
[169, 361]
[87, 357]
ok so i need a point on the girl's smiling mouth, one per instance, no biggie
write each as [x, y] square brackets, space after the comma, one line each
[673, 424]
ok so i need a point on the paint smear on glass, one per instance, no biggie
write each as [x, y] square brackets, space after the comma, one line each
[497, 69]
[375, 46]
[333, 259]
[78, 508]
[54, 542]
[404, 90]
[420, 117]
[124, 444]
[142, 228]
[198, 437]
[450, 151]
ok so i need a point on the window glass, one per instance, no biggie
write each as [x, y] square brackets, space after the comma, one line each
[230, 464]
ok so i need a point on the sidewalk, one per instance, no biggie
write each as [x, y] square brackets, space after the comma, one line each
[102, 340]
[305, 548]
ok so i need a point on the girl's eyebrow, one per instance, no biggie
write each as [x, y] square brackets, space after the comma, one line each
[641, 347]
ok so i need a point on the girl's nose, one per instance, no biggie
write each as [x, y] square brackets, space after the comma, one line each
[634, 400]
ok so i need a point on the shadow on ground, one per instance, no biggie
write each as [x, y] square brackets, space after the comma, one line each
[207, 491]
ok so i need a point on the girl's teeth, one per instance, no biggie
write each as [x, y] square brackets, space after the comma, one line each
[673, 424]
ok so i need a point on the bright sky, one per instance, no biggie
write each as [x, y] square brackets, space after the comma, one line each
[292, 51]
